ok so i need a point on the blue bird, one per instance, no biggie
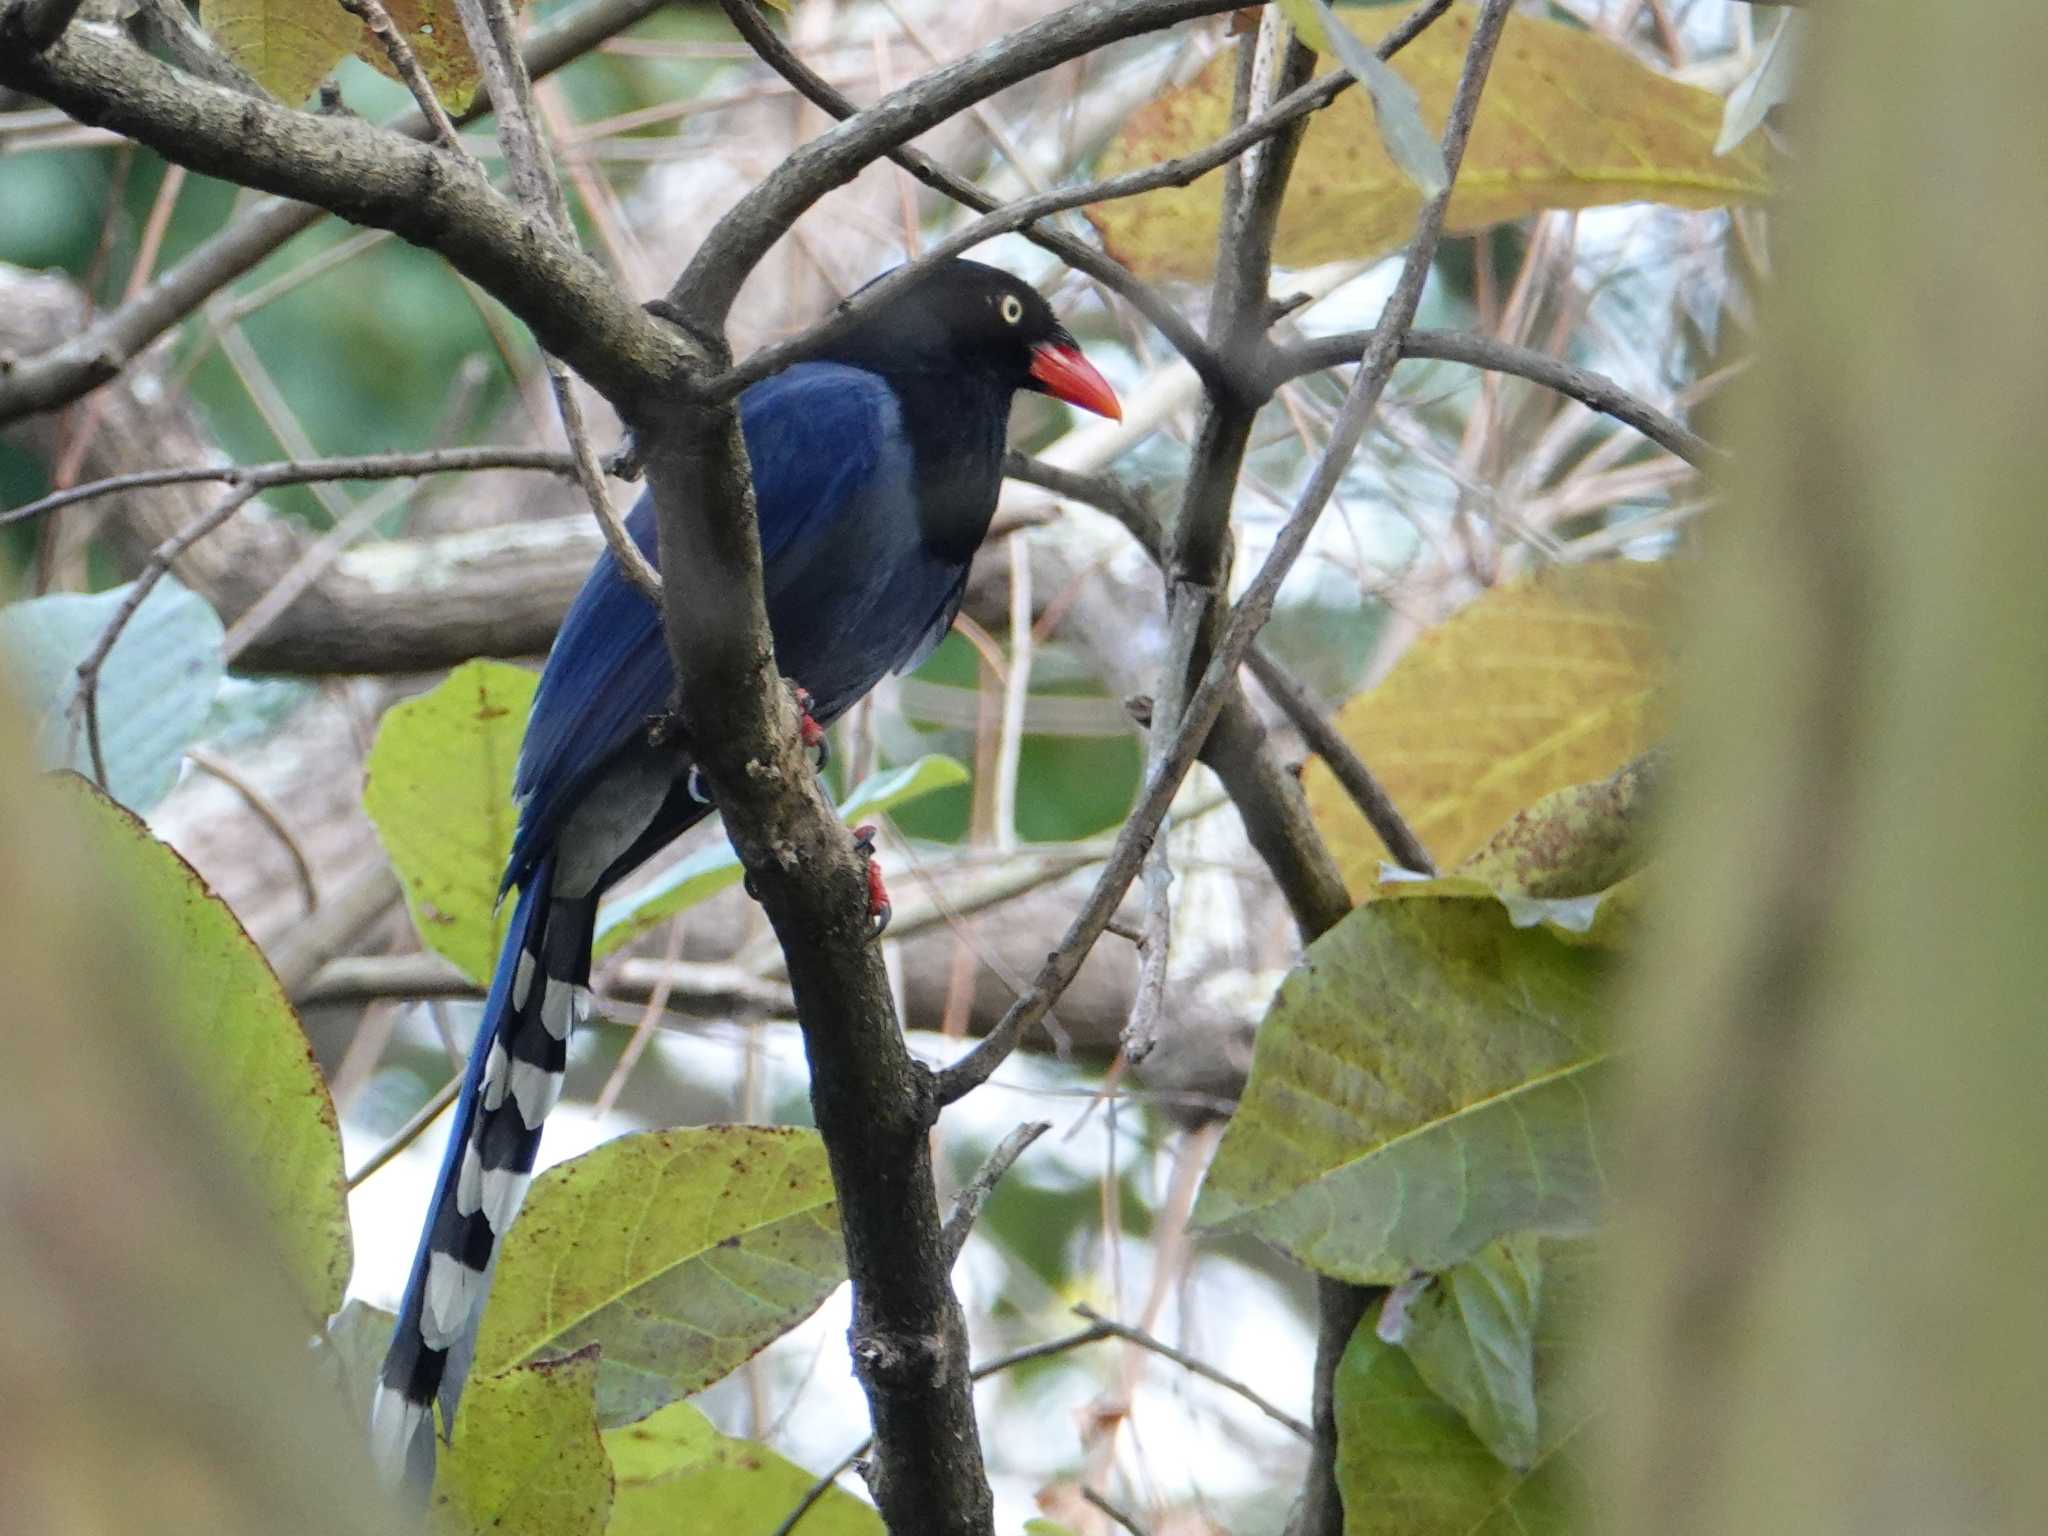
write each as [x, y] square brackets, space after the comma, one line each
[876, 465]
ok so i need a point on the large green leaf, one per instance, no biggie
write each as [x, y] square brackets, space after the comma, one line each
[681, 1252]
[155, 687]
[713, 868]
[439, 788]
[1409, 1464]
[677, 1473]
[525, 1459]
[221, 1006]
[1423, 1084]
[1569, 120]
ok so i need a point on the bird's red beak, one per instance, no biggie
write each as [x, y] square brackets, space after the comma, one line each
[1066, 375]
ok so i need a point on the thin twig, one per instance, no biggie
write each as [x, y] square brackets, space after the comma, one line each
[266, 811]
[1141, 296]
[1324, 739]
[407, 63]
[409, 1132]
[103, 348]
[1094, 1334]
[643, 1027]
[1121, 1517]
[145, 581]
[368, 466]
[1188, 1362]
[1021, 215]
[975, 1192]
[493, 38]
[1582, 384]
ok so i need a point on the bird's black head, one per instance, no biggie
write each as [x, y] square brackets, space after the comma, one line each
[966, 321]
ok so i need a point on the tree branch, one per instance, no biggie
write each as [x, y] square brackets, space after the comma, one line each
[1112, 274]
[365, 466]
[103, 348]
[369, 176]
[1592, 389]
[702, 297]
[974, 1194]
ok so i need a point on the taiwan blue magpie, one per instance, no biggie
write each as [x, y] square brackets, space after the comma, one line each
[876, 464]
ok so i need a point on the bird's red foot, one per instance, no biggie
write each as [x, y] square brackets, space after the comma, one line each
[811, 733]
[879, 908]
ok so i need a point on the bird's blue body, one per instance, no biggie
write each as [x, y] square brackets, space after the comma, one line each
[875, 474]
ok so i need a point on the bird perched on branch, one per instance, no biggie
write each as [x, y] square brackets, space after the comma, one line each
[876, 464]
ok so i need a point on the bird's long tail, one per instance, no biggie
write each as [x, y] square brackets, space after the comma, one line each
[538, 996]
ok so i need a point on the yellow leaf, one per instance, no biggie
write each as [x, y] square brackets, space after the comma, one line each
[1546, 682]
[287, 46]
[1568, 121]
[434, 31]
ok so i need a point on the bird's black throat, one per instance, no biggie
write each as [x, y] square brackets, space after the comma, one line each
[956, 423]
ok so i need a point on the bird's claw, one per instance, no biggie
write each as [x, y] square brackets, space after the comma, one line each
[812, 733]
[879, 908]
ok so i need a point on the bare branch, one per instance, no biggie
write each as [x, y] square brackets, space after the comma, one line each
[369, 176]
[974, 1194]
[1121, 1517]
[1016, 1357]
[702, 297]
[1112, 274]
[261, 477]
[1213, 364]
[1359, 782]
[145, 581]
[1187, 1362]
[373, 15]
[1582, 384]
[103, 348]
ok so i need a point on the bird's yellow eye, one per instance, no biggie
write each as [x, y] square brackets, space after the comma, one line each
[1011, 308]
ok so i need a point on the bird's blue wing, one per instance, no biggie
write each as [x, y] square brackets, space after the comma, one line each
[816, 435]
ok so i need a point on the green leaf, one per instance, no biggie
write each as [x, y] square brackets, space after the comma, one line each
[1422, 1085]
[677, 1473]
[713, 868]
[222, 1009]
[155, 687]
[439, 789]
[287, 46]
[525, 1459]
[1396, 109]
[1535, 685]
[1472, 1337]
[1408, 1464]
[1569, 120]
[681, 1252]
